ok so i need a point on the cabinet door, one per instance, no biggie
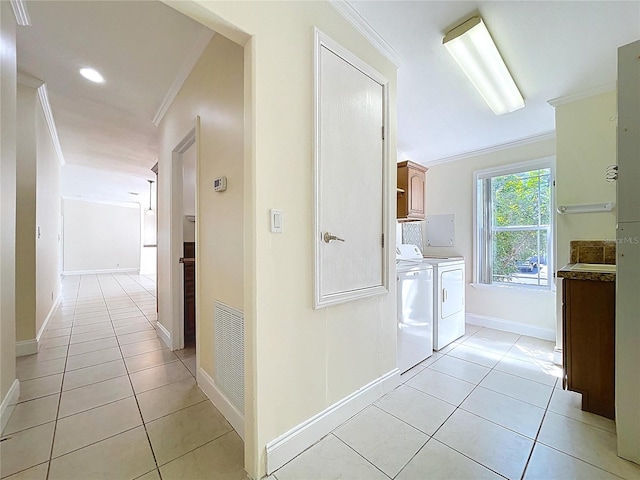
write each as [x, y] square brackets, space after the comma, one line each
[416, 193]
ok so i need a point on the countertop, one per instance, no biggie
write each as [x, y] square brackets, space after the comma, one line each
[566, 272]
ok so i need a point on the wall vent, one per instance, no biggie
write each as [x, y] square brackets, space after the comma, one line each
[229, 356]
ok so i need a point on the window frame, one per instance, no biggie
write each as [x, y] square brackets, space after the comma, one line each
[480, 256]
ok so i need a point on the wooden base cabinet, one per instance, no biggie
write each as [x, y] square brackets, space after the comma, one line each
[588, 324]
[411, 191]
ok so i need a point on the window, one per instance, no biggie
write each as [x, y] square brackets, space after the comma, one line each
[514, 224]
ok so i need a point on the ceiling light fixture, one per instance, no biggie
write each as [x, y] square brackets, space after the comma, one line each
[92, 75]
[472, 47]
[150, 210]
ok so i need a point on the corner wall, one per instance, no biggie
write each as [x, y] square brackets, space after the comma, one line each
[298, 361]
[8, 79]
[534, 308]
[48, 223]
[214, 92]
[26, 167]
[586, 144]
[37, 221]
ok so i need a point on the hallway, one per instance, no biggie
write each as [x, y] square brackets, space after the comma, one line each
[104, 398]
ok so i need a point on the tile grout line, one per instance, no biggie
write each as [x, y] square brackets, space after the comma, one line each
[55, 426]
[356, 452]
[535, 441]
[135, 396]
[457, 407]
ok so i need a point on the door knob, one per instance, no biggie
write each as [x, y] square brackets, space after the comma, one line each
[327, 237]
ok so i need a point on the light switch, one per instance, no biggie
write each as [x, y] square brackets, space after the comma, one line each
[276, 220]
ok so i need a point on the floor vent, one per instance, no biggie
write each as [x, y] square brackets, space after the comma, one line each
[229, 356]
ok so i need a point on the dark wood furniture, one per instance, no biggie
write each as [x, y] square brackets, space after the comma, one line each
[189, 252]
[411, 191]
[588, 324]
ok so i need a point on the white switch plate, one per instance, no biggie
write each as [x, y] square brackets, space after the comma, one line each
[276, 220]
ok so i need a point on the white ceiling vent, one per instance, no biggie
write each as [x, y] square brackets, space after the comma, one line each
[229, 356]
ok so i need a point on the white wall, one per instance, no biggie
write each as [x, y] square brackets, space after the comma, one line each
[450, 189]
[213, 91]
[189, 194]
[100, 237]
[586, 144]
[299, 361]
[38, 219]
[7, 200]
[26, 168]
[48, 222]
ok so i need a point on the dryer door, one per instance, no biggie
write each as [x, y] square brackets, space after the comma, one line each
[452, 294]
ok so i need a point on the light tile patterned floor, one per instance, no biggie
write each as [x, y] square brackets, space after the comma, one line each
[489, 406]
[104, 399]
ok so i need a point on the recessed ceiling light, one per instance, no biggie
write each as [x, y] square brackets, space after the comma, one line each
[92, 75]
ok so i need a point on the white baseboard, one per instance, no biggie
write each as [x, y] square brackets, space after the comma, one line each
[29, 347]
[26, 347]
[557, 356]
[9, 403]
[164, 334]
[96, 272]
[298, 439]
[513, 327]
[52, 310]
[222, 403]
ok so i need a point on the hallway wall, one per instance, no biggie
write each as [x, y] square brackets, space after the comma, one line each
[38, 220]
[299, 361]
[48, 222]
[26, 167]
[7, 208]
[213, 91]
[101, 237]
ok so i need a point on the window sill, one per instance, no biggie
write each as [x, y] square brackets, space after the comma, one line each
[532, 289]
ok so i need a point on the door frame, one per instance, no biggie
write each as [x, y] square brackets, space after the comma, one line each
[321, 40]
[191, 139]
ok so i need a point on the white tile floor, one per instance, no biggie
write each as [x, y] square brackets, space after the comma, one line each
[488, 406]
[104, 399]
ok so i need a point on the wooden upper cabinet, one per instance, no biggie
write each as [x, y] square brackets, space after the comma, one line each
[411, 191]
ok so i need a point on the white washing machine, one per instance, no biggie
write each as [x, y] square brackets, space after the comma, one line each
[415, 307]
[448, 299]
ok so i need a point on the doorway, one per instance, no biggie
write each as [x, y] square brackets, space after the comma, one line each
[189, 245]
[183, 235]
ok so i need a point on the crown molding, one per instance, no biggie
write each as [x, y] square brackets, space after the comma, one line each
[48, 115]
[189, 62]
[21, 13]
[365, 28]
[495, 148]
[29, 80]
[607, 87]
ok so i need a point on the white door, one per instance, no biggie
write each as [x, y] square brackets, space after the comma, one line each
[350, 179]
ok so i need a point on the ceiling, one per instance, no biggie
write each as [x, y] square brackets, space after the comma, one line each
[141, 49]
[144, 49]
[552, 48]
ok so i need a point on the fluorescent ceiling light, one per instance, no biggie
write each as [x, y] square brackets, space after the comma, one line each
[92, 75]
[472, 47]
[20, 11]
